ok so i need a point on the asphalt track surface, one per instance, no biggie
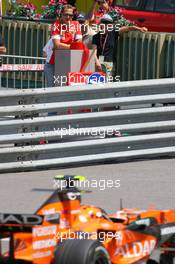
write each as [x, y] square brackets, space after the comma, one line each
[143, 185]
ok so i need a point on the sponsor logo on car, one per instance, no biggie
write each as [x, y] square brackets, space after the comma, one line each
[21, 219]
[44, 231]
[44, 243]
[48, 211]
[136, 249]
[41, 254]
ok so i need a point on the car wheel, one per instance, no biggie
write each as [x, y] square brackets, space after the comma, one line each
[76, 251]
[166, 259]
[151, 261]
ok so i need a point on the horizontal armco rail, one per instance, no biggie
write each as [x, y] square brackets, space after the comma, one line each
[86, 147]
[76, 105]
[86, 92]
[78, 138]
[86, 159]
[130, 120]
[58, 135]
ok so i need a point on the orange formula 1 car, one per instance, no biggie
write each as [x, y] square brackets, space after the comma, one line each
[63, 231]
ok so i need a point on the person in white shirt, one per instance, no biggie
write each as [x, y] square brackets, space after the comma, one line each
[48, 68]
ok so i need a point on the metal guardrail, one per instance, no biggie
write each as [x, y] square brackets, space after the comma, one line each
[24, 38]
[85, 159]
[146, 56]
[22, 72]
[128, 120]
[87, 147]
[136, 130]
[76, 105]
[86, 92]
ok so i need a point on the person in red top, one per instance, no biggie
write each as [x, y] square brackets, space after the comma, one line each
[63, 34]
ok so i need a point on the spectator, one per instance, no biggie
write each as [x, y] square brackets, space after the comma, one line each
[2, 49]
[105, 42]
[107, 7]
[86, 30]
[48, 68]
[63, 34]
[104, 6]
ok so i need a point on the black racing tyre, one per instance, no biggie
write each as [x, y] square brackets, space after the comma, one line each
[76, 251]
[166, 259]
[151, 261]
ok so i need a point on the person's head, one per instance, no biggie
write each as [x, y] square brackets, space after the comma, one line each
[106, 23]
[67, 14]
[104, 4]
[84, 23]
